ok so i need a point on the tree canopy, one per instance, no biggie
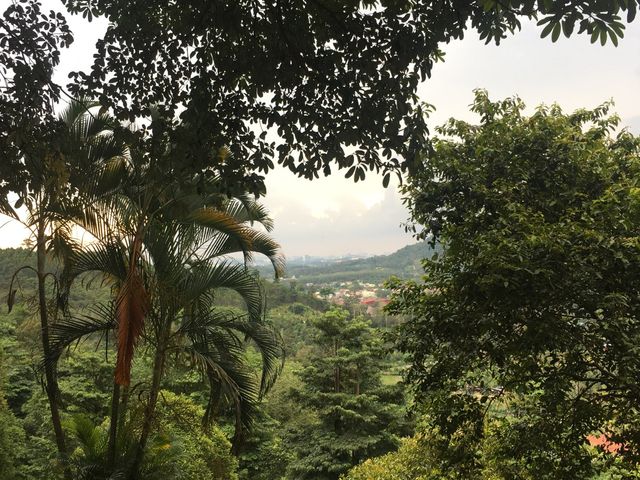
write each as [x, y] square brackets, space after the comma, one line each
[357, 416]
[324, 75]
[533, 307]
[30, 45]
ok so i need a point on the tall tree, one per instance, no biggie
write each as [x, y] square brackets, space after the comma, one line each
[536, 293]
[178, 262]
[60, 171]
[357, 417]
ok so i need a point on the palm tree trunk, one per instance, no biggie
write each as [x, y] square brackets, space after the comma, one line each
[113, 425]
[50, 371]
[150, 409]
[122, 409]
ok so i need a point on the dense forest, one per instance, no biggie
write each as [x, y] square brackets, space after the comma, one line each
[293, 431]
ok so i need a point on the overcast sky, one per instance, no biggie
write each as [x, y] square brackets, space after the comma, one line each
[334, 216]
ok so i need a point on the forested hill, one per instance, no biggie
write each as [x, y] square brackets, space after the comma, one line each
[90, 289]
[404, 263]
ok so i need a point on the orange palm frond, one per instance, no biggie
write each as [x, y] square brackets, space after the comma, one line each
[132, 307]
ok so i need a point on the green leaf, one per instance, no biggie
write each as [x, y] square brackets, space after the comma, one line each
[567, 27]
[11, 298]
[603, 37]
[545, 5]
[547, 30]
[489, 5]
[385, 180]
[350, 172]
[618, 28]
[556, 32]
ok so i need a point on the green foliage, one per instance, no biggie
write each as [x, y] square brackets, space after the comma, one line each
[410, 462]
[362, 63]
[12, 437]
[526, 329]
[179, 449]
[41, 458]
[205, 452]
[264, 454]
[267, 451]
[355, 416]
[176, 444]
[86, 379]
[181, 265]
[30, 44]
[18, 371]
[420, 458]
[295, 324]
[221, 68]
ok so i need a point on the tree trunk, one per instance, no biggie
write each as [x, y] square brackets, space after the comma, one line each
[150, 409]
[113, 426]
[50, 371]
[124, 402]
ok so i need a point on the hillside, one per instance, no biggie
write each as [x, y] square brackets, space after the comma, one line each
[404, 263]
[90, 289]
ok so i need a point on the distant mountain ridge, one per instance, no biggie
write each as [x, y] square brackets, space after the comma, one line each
[404, 263]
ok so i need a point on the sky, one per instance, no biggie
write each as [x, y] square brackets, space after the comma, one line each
[333, 216]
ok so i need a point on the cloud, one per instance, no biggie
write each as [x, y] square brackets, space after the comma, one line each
[572, 72]
[632, 123]
[356, 218]
[336, 216]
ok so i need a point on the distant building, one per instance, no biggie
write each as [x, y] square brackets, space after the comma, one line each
[604, 443]
[374, 305]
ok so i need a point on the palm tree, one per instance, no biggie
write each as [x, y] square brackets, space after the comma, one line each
[166, 270]
[59, 170]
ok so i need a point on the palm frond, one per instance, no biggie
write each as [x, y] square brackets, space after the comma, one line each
[75, 111]
[244, 208]
[7, 209]
[132, 305]
[107, 258]
[225, 274]
[99, 319]
[91, 439]
[216, 220]
[260, 243]
[110, 217]
[269, 344]
[230, 378]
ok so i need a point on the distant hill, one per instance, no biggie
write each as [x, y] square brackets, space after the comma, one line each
[86, 293]
[404, 263]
